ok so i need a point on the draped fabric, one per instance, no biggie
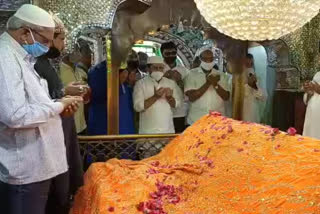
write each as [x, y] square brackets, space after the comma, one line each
[218, 165]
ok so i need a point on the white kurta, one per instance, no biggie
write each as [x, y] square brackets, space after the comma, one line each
[210, 100]
[252, 97]
[311, 124]
[157, 119]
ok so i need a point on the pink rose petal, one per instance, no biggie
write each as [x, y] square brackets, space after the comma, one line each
[240, 150]
[292, 131]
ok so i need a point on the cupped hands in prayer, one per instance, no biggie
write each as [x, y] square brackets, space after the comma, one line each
[71, 105]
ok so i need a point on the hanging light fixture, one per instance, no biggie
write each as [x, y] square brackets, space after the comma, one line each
[258, 20]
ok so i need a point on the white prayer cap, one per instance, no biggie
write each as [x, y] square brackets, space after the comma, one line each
[35, 15]
[155, 60]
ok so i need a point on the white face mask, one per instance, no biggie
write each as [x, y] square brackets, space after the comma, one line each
[157, 75]
[207, 66]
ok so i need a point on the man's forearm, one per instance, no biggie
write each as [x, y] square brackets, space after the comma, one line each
[197, 93]
[171, 101]
[254, 86]
[150, 101]
[225, 95]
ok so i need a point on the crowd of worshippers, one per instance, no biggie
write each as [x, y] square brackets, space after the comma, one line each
[156, 94]
[159, 96]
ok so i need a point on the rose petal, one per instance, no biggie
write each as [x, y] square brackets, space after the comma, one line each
[240, 150]
[292, 131]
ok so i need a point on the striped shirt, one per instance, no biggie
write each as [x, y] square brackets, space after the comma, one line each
[31, 137]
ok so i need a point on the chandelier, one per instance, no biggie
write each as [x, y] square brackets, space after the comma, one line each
[257, 20]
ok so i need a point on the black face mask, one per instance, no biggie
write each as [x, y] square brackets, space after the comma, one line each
[53, 53]
[170, 59]
[133, 64]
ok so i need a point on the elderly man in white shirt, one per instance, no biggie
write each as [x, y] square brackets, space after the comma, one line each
[155, 97]
[32, 150]
[176, 73]
[253, 93]
[207, 88]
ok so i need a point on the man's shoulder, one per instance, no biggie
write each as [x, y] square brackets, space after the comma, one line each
[5, 49]
[65, 68]
[194, 71]
[169, 81]
[144, 80]
[180, 68]
[100, 66]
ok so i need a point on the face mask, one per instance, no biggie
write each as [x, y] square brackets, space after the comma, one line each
[53, 53]
[171, 59]
[207, 66]
[36, 49]
[157, 75]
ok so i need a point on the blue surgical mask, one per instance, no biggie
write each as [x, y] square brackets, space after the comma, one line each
[36, 49]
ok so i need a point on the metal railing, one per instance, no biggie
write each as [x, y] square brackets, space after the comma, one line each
[135, 147]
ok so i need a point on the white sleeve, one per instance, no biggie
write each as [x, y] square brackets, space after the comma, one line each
[177, 95]
[305, 97]
[224, 82]
[138, 96]
[183, 72]
[16, 111]
[189, 83]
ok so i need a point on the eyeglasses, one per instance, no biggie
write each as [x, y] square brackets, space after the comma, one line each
[44, 39]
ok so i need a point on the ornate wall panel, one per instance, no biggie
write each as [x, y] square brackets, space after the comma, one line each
[12, 5]
[304, 48]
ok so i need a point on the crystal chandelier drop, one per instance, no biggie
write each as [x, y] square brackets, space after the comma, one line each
[258, 20]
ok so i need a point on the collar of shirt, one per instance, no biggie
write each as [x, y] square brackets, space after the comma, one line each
[19, 49]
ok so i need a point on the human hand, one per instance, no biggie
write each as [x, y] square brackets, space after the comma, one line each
[71, 105]
[216, 79]
[176, 76]
[252, 80]
[169, 92]
[76, 89]
[168, 74]
[316, 87]
[160, 92]
[308, 87]
[213, 79]
[210, 79]
[87, 96]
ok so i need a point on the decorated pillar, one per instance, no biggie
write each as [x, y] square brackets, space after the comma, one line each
[112, 91]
